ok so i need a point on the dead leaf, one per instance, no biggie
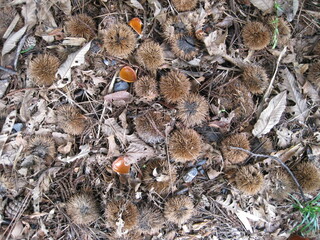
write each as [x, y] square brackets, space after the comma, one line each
[7, 128]
[74, 59]
[65, 149]
[156, 6]
[135, 4]
[271, 115]
[215, 42]
[85, 150]
[119, 98]
[263, 5]
[12, 40]
[300, 109]
[289, 8]
[284, 136]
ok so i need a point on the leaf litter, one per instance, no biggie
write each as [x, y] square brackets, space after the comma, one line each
[204, 42]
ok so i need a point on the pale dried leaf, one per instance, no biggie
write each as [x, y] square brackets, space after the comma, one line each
[11, 26]
[111, 127]
[135, 4]
[73, 41]
[137, 150]
[271, 115]
[113, 149]
[12, 40]
[215, 42]
[65, 149]
[85, 150]
[284, 136]
[156, 6]
[119, 98]
[17, 231]
[300, 110]
[309, 89]
[263, 5]
[289, 8]
[29, 13]
[74, 59]
[65, 6]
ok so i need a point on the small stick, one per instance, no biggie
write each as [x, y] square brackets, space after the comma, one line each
[10, 71]
[279, 161]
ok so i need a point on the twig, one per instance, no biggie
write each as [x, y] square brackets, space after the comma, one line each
[268, 91]
[279, 161]
[11, 72]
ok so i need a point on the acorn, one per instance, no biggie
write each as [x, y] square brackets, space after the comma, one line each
[159, 177]
[314, 74]
[151, 126]
[235, 156]
[150, 55]
[70, 120]
[119, 166]
[127, 74]
[136, 24]
[82, 209]
[43, 68]
[249, 180]
[185, 145]
[146, 88]
[185, 47]
[282, 184]
[119, 40]
[178, 209]
[255, 78]
[175, 27]
[174, 86]
[81, 25]
[42, 146]
[192, 110]
[151, 220]
[184, 5]
[308, 176]
[256, 35]
[124, 210]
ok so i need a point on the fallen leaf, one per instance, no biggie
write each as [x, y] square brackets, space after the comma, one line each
[288, 7]
[119, 98]
[135, 4]
[263, 5]
[271, 115]
[12, 40]
[215, 42]
[74, 59]
[300, 109]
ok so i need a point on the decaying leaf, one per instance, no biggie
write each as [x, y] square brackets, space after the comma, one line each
[12, 40]
[288, 7]
[119, 98]
[215, 42]
[284, 137]
[300, 109]
[157, 7]
[271, 115]
[7, 128]
[74, 59]
[263, 5]
[135, 4]
[84, 152]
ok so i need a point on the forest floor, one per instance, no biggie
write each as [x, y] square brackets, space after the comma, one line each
[159, 119]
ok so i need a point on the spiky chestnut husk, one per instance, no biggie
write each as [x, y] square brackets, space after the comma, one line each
[174, 86]
[308, 176]
[151, 220]
[146, 87]
[236, 97]
[123, 209]
[178, 209]
[184, 5]
[185, 145]
[150, 126]
[82, 209]
[42, 146]
[184, 47]
[161, 180]
[255, 78]
[232, 155]
[70, 120]
[282, 184]
[284, 31]
[176, 26]
[81, 25]
[249, 180]
[192, 110]
[43, 68]
[150, 55]
[256, 35]
[119, 40]
[314, 74]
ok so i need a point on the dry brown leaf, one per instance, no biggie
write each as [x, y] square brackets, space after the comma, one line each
[12, 40]
[271, 115]
[300, 109]
[74, 59]
[215, 42]
[119, 98]
[263, 5]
